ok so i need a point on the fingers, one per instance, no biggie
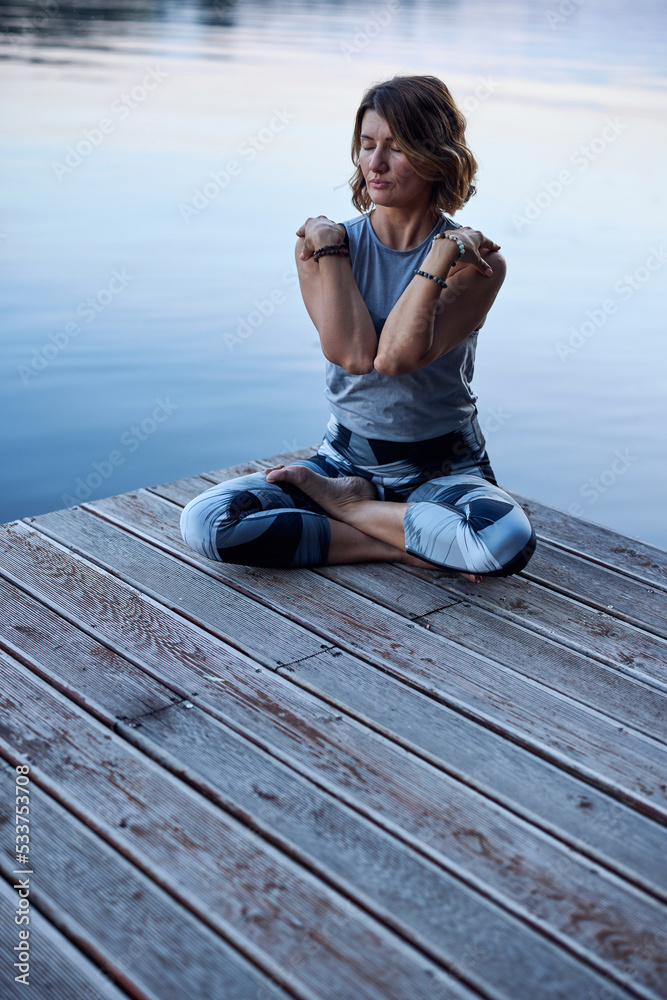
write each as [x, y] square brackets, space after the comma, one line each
[482, 265]
[301, 231]
[307, 249]
[485, 247]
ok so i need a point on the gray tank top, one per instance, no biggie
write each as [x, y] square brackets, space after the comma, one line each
[414, 407]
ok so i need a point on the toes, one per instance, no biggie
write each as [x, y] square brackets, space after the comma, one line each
[273, 468]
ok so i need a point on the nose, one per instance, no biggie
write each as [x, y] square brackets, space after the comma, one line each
[377, 161]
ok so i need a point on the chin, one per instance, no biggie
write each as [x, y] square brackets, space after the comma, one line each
[381, 197]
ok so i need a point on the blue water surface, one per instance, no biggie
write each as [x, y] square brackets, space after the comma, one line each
[158, 158]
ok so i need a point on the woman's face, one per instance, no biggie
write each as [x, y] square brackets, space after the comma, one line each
[391, 181]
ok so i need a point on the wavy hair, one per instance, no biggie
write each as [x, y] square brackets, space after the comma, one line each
[429, 129]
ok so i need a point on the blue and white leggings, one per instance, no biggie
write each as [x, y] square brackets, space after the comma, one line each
[458, 518]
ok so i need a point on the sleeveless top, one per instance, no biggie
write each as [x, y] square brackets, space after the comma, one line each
[423, 404]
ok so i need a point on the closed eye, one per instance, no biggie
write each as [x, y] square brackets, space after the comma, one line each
[369, 149]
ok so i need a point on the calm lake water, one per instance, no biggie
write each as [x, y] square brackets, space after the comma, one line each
[158, 158]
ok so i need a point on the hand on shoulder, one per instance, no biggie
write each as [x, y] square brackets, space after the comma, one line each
[477, 248]
[316, 232]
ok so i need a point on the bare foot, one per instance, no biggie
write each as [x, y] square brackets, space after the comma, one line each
[333, 495]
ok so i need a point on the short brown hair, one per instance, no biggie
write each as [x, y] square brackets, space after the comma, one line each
[429, 129]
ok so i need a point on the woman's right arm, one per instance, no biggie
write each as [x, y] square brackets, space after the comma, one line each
[333, 300]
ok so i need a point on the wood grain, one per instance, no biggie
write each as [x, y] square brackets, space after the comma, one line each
[274, 911]
[461, 831]
[531, 713]
[116, 915]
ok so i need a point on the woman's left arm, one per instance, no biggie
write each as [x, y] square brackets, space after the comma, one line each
[427, 321]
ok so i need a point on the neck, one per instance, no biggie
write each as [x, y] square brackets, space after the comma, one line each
[402, 228]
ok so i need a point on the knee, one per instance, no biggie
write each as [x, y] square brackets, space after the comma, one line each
[465, 523]
[202, 516]
[195, 526]
[511, 540]
[521, 559]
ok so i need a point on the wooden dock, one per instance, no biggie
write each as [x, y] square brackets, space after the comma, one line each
[364, 782]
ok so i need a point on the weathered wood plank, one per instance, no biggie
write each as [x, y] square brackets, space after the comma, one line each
[423, 903]
[599, 587]
[252, 628]
[58, 970]
[571, 733]
[285, 458]
[437, 911]
[463, 832]
[492, 951]
[34, 634]
[281, 916]
[571, 672]
[150, 944]
[589, 631]
[593, 541]
[180, 491]
[386, 584]
[608, 831]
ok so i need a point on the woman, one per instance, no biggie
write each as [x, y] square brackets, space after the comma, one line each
[397, 295]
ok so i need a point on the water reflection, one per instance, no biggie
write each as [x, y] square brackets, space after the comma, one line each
[553, 425]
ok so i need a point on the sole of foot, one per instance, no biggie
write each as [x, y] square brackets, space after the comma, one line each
[333, 495]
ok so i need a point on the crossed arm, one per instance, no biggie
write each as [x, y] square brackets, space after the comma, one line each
[426, 321]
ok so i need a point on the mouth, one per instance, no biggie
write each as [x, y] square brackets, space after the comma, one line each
[379, 184]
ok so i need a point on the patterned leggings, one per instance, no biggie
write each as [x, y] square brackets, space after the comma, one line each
[460, 518]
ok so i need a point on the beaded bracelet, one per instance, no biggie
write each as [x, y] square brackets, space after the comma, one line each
[425, 274]
[332, 250]
[450, 236]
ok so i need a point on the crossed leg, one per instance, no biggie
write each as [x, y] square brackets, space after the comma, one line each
[363, 528]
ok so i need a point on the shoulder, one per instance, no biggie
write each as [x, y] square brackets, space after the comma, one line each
[355, 223]
[354, 228]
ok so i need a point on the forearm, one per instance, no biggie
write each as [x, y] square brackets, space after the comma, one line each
[346, 329]
[407, 335]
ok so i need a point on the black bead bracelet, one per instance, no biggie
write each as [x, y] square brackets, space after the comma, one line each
[425, 274]
[332, 250]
